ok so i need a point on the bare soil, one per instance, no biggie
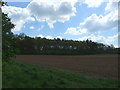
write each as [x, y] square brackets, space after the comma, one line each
[91, 65]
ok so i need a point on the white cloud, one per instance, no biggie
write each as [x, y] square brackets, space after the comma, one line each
[97, 3]
[93, 3]
[102, 39]
[92, 37]
[16, 0]
[95, 24]
[98, 23]
[113, 4]
[31, 27]
[40, 36]
[52, 11]
[43, 10]
[113, 7]
[41, 27]
[30, 19]
[19, 16]
[59, 37]
[47, 37]
[75, 31]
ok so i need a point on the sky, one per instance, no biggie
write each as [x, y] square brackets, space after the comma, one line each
[96, 20]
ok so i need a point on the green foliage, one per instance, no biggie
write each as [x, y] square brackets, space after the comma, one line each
[8, 40]
[19, 75]
[28, 45]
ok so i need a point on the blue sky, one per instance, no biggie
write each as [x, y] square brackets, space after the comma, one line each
[95, 20]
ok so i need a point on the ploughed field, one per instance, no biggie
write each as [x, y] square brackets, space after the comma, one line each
[91, 65]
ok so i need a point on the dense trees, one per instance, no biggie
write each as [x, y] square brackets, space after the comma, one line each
[29, 45]
[8, 39]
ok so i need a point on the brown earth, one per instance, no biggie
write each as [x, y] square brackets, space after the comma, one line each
[91, 65]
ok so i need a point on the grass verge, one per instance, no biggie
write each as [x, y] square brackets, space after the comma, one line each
[20, 75]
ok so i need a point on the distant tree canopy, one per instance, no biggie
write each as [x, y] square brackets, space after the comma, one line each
[43, 46]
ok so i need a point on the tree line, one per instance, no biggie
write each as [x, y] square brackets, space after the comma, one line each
[57, 46]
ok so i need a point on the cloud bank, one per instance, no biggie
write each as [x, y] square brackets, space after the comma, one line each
[98, 23]
[43, 11]
[100, 38]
